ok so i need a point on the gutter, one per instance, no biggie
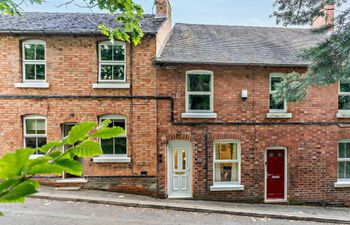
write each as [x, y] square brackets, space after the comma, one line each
[171, 106]
[54, 32]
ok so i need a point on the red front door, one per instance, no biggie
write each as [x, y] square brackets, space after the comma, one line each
[275, 174]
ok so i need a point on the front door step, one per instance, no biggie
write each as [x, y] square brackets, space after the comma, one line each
[68, 188]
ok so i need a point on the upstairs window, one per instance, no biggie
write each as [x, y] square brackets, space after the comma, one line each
[34, 64]
[117, 145]
[344, 161]
[344, 95]
[112, 62]
[35, 134]
[276, 106]
[199, 91]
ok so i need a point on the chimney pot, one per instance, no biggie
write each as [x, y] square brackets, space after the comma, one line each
[163, 8]
[327, 19]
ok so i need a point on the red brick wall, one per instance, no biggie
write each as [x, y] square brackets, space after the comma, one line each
[311, 150]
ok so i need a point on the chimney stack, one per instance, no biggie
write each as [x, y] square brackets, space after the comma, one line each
[163, 8]
[327, 19]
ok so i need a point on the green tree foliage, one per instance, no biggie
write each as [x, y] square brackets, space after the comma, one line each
[126, 12]
[17, 169]
[329, 60]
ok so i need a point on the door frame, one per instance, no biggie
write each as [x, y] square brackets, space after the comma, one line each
[170, 145]
[285, 199]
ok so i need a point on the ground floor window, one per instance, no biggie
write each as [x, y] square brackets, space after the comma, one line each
[117, 145]
[226, 163]
[35, 132]
[344, 161]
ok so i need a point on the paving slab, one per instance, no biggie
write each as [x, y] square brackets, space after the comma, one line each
[306, 213]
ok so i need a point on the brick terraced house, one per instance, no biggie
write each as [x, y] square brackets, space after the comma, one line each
[195, 101]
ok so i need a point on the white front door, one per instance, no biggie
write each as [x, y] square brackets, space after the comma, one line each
[179, 170]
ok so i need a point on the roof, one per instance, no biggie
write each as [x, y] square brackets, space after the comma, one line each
[68, 23]
[243, 45]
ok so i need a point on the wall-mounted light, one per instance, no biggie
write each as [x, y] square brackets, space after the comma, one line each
[244, 94]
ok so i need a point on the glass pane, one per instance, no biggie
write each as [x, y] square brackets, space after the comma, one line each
[40, 126]
[29, 71]
[344, 102]
[176, 159]
[119, 123]
[119, 53]
[347, 170]
[342, 148]
[275, 81]
[120, 146]
[345, 87]
[40, 52]
[226, 151]
[40, 72]
[29, 51]
[341, 170]
[30, 142]
[226, 172]
[41, 142]
[30, 126]
[347, 152]
[199, 82]
[184, 159]
[118, 72]
[106, 72]
[199, 102]
[107, 146]
[106, 52]
[274, 104]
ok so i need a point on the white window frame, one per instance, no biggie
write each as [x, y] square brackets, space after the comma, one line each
[233, 185]
[25, 135]
[271, 92]
[343, 111]
[33, 62]
[210, 93]
[111, 62]
[114, 158]
[342, 160]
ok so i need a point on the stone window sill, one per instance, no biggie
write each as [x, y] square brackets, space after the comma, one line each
[342, 184]
[343, 114]
[199, 115]
[227, 188]
[32, 85]
[112, 159]
[279, 115]
[72, 181]
[35, 156]
[111, 86]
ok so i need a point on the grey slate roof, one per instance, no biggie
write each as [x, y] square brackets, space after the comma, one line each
[220, 44]
[68, 23]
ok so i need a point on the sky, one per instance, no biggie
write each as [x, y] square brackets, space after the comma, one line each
[228, 12]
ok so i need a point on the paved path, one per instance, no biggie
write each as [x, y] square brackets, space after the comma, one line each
[306, 213]
[48, 212]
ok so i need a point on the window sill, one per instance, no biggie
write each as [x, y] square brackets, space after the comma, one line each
[111, 86]
[279, 115]
[343, 114]
[342, 184]
[112, 159]
[32, 85]
[227, 188]
[35, 156]
[72, 181]
[199, 115]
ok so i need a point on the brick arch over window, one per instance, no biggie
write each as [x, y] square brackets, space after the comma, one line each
[224, 135]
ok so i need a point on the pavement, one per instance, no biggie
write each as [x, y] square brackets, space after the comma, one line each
[289, 212]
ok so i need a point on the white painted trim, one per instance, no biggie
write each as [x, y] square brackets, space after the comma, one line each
[29, 84]
[72, 181]
[112, 62]
[281, 75]
[35, 156]
[227, 188]
[238, 160]
[111, 159]
[36, 62]
[342, 184]
[180, 143]
[199, 115]
[285, 199]
[210, 93]
[28, 117]
[343, 114]
[111, 86]
[279, 115]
